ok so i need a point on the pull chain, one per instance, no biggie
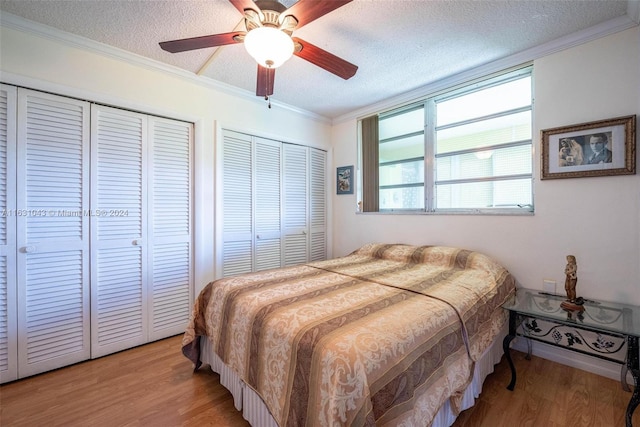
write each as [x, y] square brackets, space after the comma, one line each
[269, 64]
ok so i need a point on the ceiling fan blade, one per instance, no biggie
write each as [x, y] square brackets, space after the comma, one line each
[193, 43]
[306, 11]
[265, 81]
[324, 59]
[242, 5]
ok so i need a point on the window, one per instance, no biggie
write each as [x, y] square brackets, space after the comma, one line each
[401, 157]
[465, 150]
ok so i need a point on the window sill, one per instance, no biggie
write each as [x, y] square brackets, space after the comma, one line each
[476, 212]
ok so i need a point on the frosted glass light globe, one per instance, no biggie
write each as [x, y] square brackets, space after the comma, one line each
[269, 46]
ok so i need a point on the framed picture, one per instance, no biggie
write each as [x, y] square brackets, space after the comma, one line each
[602, 148]
[344, 180]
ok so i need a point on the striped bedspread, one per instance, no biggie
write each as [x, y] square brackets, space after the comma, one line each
[383, 336]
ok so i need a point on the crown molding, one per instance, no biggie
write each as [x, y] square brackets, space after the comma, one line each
[603, 29]
[15, 22]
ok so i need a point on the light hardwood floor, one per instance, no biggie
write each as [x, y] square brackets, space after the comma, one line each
[154, 385]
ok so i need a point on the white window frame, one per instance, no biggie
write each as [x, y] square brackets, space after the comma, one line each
[430, 130]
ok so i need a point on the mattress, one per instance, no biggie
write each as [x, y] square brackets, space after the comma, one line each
[257, 414]
[384, 336]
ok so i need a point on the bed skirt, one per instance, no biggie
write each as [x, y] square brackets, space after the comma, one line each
[256, 413]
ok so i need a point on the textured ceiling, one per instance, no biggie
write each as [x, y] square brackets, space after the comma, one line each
[398, 45]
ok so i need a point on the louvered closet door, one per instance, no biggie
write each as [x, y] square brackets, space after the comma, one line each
[8, 302]
[237, 204]
[52, 232]
[268, 247]
[317, 199]
[171, 280]
[295, 207]
[118, 230]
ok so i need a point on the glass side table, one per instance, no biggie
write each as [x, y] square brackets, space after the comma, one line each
[606, 330]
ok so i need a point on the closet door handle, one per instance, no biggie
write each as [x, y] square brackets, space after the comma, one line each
[136, 243]
[29, 249]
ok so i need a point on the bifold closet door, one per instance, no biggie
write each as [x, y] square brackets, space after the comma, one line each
[273, 204]
[267, 215]
[141, 244]
[52, 231]
[295, 176]
[237, 204]
[318, 208]
[251, 188]
[8, 305]
[86, 268]
[119, 317]
[304, 211]
[171, 278]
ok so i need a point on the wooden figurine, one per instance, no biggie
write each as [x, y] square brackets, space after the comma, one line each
[572, 303]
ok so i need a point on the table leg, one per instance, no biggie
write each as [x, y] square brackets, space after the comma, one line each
[633, 363]
[507, 351]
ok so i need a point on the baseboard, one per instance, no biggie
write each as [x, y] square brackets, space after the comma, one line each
[571, 358]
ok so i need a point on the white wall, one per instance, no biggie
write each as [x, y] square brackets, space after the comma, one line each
[55, 65]
[595, 219]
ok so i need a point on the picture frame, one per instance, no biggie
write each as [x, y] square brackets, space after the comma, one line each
[600, 148]
[344, 180]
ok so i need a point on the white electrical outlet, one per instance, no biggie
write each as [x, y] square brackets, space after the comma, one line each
[549, 286]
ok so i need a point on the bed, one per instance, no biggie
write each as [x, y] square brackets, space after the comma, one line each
[389, 335]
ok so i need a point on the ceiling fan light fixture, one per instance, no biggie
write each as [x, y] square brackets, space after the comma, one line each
[269, 46]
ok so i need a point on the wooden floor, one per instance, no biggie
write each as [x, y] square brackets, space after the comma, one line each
[154, 385]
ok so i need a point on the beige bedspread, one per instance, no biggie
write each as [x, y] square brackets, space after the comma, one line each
[383, 336]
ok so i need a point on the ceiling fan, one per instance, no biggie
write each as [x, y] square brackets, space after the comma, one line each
[269, 26]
